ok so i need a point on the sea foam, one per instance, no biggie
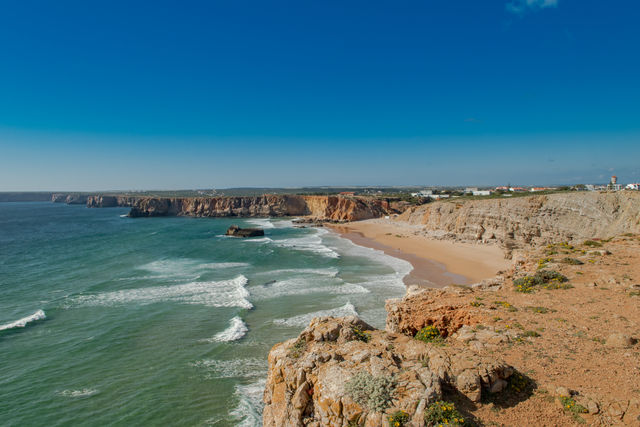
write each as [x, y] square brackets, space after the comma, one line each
[21, 323]
[85, 392]
[235, 368]
[309, 242]
[236, 330]
[224, 293]
[248, 412]
[260, 222]
[305, 286]
[303, 320]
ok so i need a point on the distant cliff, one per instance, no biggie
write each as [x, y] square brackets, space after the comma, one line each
[530, 220]
[69, 198]
[326, 208]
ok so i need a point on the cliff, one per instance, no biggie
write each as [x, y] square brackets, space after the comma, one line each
[69, 198]
[326, 208]
[535, 220]
[324, 377]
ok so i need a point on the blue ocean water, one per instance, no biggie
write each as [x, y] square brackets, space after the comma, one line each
[108, 320]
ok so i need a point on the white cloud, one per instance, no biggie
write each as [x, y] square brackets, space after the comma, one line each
[521, 6]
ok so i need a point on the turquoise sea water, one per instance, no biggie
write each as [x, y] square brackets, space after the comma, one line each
[107, 320]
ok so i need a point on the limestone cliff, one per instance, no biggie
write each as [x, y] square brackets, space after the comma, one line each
[326, 208]
[69, 198]
[531, 220]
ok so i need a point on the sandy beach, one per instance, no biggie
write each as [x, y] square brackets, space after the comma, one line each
[435, 262]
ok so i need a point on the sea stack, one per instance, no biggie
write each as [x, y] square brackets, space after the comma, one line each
[236, 231]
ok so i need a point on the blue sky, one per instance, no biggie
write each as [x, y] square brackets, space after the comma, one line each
[201, 94]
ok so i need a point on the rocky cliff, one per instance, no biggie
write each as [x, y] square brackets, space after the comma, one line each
[70, 199]
[522, 221]
[326, 208]
[342, 372]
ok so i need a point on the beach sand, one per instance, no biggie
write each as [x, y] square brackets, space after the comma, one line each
[436, 263]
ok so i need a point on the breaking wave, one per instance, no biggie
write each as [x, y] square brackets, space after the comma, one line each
[310, 243]
[303, 320]
[236, 330]
[224, 293]
[21, 323]
[260, 222]
[305, 286]
[248, 412]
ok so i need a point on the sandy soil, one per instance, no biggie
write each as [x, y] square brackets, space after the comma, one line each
[436, 263]
[563, 338]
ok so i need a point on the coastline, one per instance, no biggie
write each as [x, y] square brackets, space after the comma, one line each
[436, 263]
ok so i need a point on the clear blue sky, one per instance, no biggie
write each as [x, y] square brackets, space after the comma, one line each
[201, 94]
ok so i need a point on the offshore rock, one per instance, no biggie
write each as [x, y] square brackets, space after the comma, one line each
[236, 231]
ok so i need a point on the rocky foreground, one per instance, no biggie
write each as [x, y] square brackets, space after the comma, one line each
[551, 342]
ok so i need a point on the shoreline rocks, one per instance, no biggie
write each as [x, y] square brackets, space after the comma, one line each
[236, 231]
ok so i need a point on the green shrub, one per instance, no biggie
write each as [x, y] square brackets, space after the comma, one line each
[548, 279]
[569, 404]
[298, 348]
[371, 392]
[506, 305]
[398, 419]
[572, 261]
[361, 335]
[442, 413]
[429, 334]
[592, 243]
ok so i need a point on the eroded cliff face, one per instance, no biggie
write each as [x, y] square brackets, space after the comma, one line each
[324, 208]
[522, 221]
[70, 199]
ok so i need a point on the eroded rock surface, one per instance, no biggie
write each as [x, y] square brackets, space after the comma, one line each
[308, 375]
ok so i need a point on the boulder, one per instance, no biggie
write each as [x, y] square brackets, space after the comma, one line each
[236, 231]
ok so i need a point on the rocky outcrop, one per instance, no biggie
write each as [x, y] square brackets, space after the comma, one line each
[107, 201]
[422, 307]
[70, 199]
[236, 231]
[324, 208]
[522, 221]
[308, 378]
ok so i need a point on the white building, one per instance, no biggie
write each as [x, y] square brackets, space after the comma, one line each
[423, 193]
[481, 192]
[634, 186]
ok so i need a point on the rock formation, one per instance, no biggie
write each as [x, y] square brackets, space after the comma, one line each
[70, 199]
[325, 208]
[236, 231]
[522, 221]
[308, 378]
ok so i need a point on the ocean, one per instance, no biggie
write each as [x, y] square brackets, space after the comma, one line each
[108, 320]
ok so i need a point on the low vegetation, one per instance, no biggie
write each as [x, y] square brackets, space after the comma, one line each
[398, 419]
[547, 279]
[430, 334]
[298, 348]
[372, 392]
[361, 335]
[442, 413]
